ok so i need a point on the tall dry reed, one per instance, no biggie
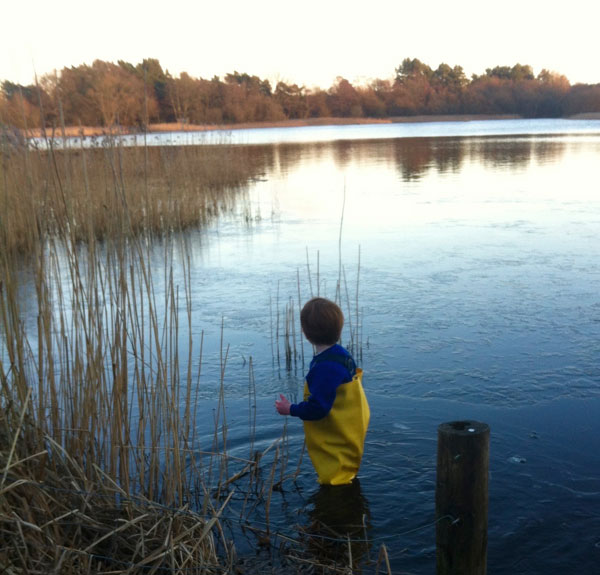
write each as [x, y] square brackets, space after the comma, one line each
[286, 334]
[106, 189]
[101, 465]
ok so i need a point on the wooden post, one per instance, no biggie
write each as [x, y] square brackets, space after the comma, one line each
[461, 498]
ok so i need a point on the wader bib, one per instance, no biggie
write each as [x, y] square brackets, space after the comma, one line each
[336, 442]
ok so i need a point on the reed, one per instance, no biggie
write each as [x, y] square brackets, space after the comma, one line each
[58, 517]
[286, 334]
[109, 189]
[101, 469]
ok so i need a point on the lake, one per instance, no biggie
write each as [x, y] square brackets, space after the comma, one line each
[470, 275]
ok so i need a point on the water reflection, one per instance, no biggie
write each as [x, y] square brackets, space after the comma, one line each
[414, 158]
[340, 522]
[513, 153]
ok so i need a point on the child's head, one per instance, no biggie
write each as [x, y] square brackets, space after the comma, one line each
[322, 321]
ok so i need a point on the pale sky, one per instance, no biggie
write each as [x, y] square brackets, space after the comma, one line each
[309, 42]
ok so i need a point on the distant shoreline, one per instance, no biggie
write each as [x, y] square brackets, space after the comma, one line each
[89, 131]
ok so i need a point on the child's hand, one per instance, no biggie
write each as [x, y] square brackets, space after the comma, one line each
[282, 405]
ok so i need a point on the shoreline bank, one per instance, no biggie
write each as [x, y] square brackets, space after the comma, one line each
[91, 131]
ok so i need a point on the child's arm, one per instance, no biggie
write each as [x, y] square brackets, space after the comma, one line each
[323, 381]
[311, 409]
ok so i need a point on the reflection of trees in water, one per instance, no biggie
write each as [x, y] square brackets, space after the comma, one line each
[345, 152]
[340, 521]
[514, 152]
[414, 158]
[499, 153]
[258, 160]
[448, 154]
[341, 152]
[289, 156]
[548, 149]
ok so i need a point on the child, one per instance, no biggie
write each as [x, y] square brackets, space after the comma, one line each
[335, 411]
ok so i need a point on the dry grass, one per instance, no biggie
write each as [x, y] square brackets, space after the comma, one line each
[101, 467]
[108, 190]
[57, 518]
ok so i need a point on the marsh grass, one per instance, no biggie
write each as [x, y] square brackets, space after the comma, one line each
[108, 190]
[101, 465]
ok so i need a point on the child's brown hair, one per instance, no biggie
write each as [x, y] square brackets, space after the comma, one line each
[322, 321]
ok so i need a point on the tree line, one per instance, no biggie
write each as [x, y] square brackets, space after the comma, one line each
[108, 94]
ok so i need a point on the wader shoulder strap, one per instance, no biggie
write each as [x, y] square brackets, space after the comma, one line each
[345, 360]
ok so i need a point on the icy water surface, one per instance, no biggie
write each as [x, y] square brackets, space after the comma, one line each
[473, 261]
[479, 289]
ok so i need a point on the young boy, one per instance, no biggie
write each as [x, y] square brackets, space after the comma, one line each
[335, 411]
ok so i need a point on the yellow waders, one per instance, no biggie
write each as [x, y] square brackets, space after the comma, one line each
[336, 442]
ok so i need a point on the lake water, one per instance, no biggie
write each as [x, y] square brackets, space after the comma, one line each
[475, 252]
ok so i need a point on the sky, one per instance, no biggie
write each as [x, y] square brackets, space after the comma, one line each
[310, 42]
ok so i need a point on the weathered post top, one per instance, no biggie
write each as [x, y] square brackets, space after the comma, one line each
[462, 428]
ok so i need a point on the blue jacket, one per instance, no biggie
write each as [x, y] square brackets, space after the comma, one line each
[328, 370]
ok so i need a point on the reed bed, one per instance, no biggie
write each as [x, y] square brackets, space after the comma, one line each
[102, 469]
[57, 517]
[105, 190]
